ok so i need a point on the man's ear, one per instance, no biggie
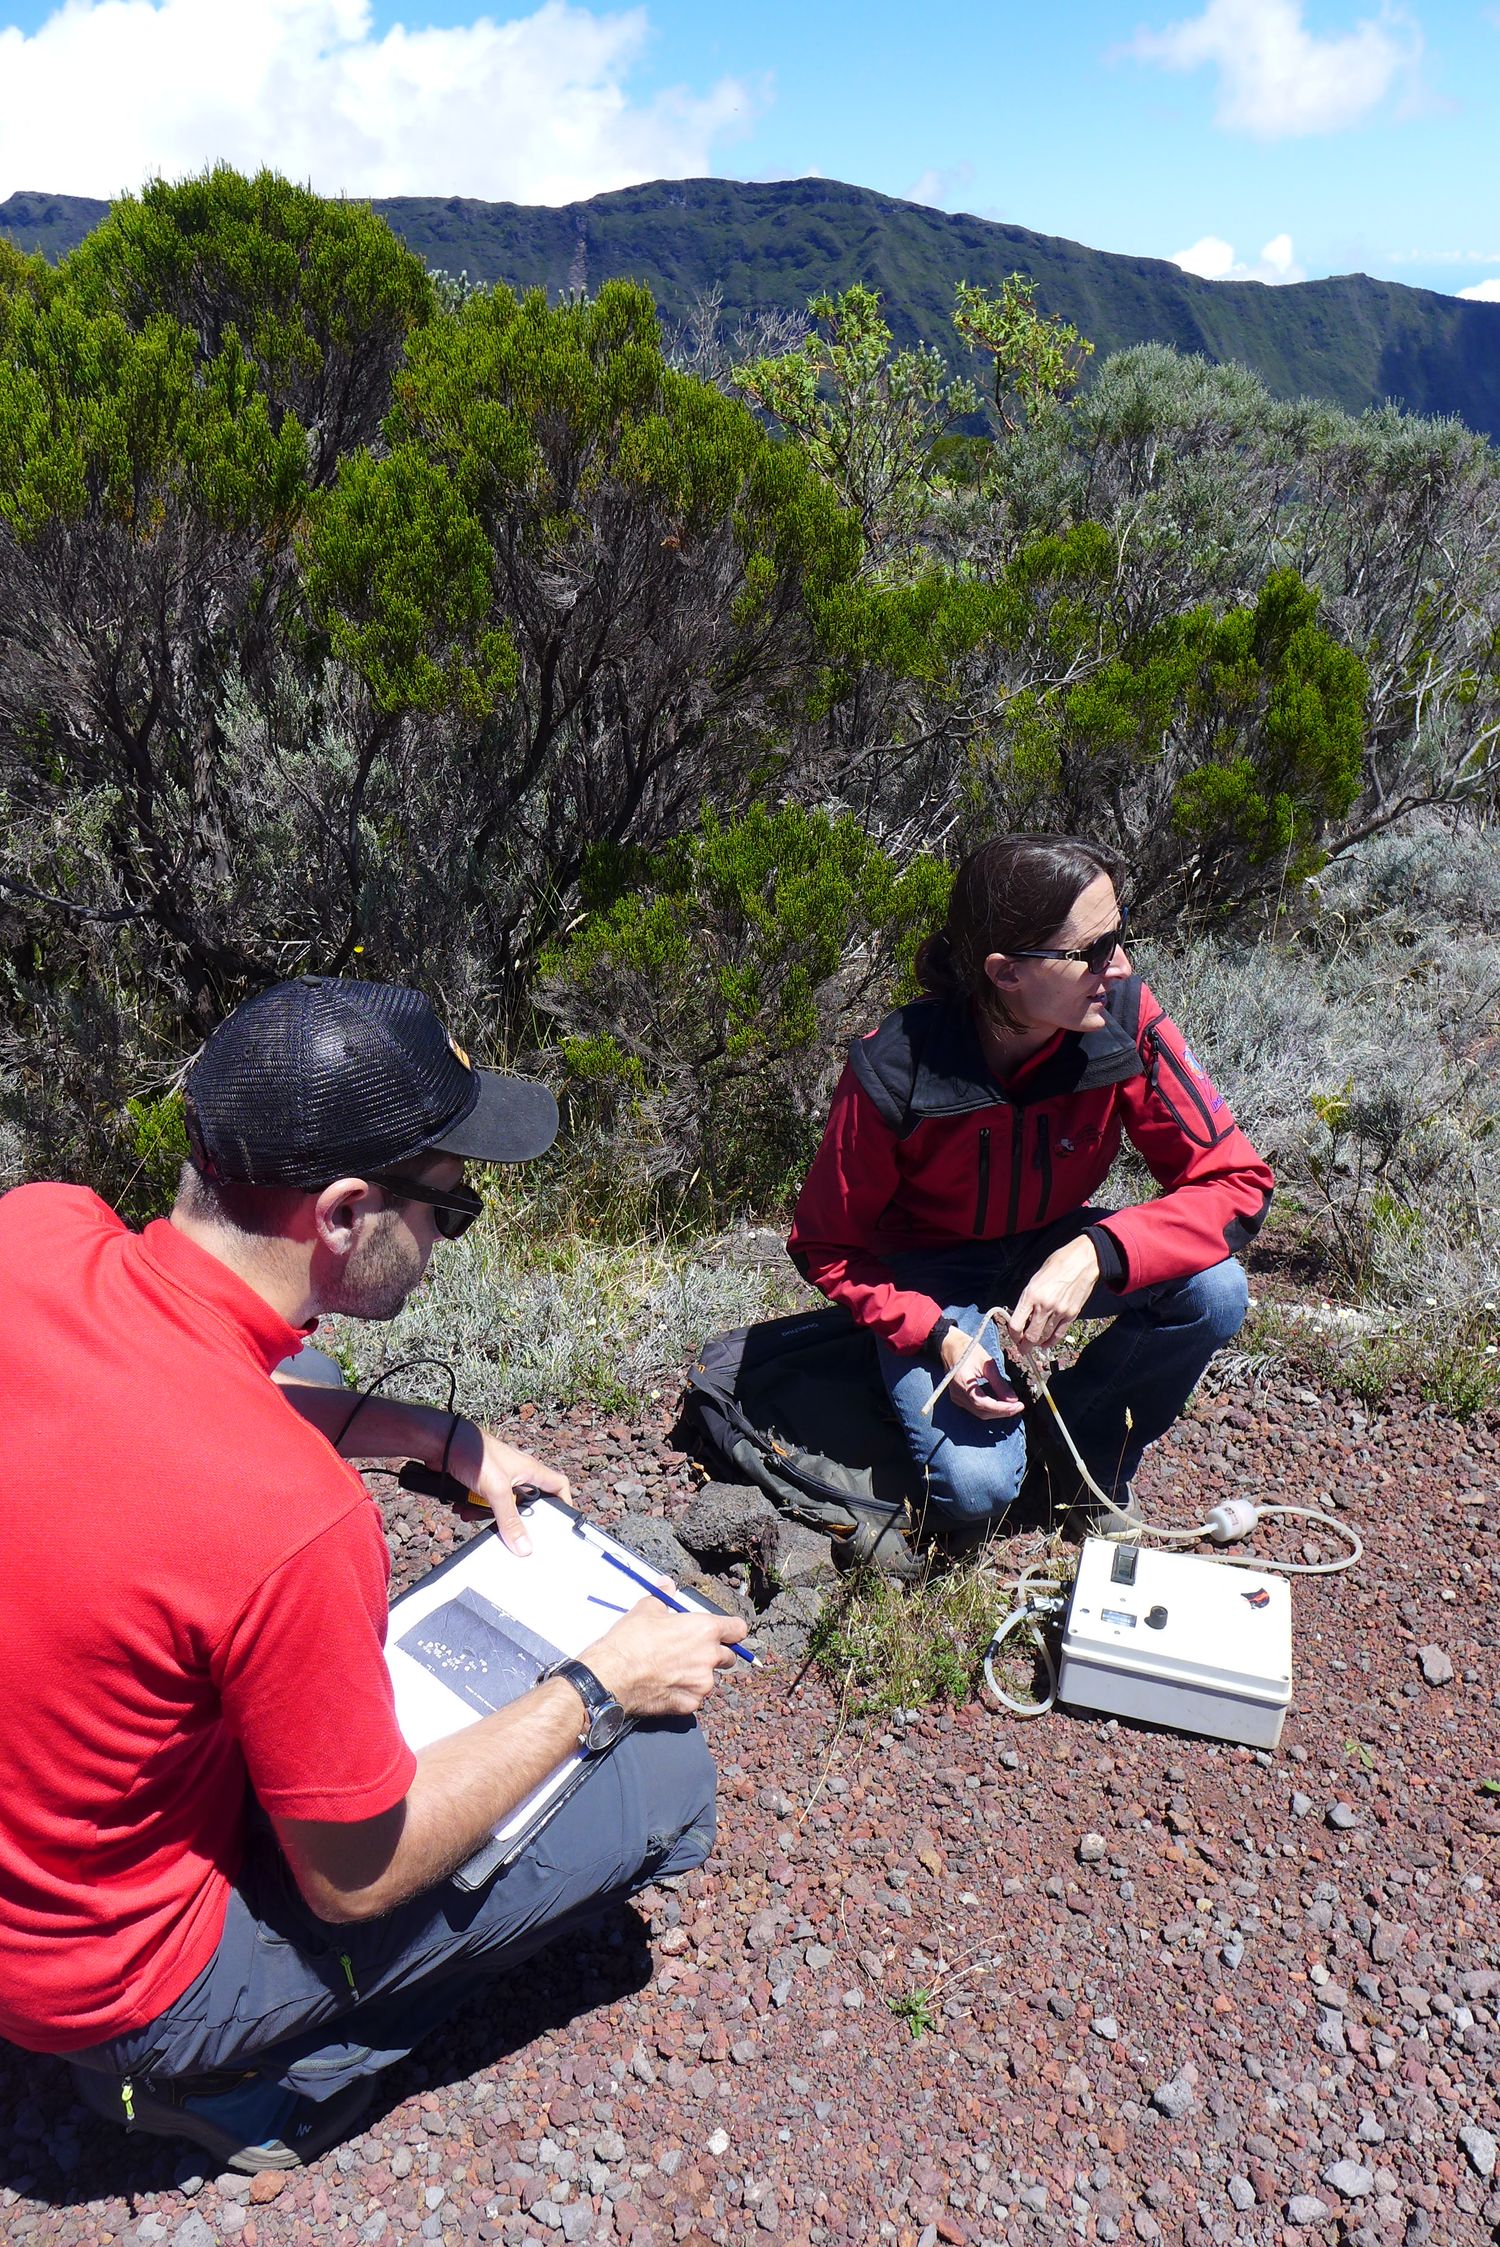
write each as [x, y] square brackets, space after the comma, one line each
[340, 1211]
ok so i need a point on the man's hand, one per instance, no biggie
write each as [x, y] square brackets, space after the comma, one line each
[981, 1388]
[658, 1663]
[494, 1471]
[1055, 1294]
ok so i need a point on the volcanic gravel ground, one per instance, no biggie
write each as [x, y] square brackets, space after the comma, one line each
[1176, 1991]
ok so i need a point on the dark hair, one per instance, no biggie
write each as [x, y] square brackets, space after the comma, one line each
[263, 1212]
[1008, 895]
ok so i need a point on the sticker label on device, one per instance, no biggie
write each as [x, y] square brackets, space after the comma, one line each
[1116, 1615]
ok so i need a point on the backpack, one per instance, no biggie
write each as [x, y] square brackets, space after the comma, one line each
[796, 1406]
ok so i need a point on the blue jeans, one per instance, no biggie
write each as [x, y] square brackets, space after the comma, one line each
[317, 2006]
[1147, 1362]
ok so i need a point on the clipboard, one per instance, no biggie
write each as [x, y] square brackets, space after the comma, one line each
[483, 1628]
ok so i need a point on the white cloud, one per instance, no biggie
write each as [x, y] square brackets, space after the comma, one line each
[939, 184]
[107, 93]
[1277, 78]
[1213, 259]
[1483, 292]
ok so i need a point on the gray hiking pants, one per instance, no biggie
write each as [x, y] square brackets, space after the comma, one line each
[317, 2006]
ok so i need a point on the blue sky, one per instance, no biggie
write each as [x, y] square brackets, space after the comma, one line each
[1271, 137]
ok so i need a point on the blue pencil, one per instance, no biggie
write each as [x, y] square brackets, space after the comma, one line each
[666, 1598]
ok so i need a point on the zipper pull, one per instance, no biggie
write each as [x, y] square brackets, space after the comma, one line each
[346, 1963]
[127, 2099]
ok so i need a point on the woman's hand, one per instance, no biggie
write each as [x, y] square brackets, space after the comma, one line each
[981, 1388]
[495, 1471]
[1055, 1294]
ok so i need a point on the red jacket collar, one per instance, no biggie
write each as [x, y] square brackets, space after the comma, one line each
[219, 1291]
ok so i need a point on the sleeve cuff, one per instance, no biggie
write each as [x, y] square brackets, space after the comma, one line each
[1112, 1266]
[932, 1349]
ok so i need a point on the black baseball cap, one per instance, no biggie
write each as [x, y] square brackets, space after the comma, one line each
[329, 1077]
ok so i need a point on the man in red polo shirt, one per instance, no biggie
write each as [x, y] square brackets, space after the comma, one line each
[225, 1885]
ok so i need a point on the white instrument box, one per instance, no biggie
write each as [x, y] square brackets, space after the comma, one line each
[1169, 1638]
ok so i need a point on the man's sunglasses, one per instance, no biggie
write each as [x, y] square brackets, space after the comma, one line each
[1095, 957]
[454, 1208]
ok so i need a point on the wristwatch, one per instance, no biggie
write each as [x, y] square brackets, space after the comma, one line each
[605, 1719]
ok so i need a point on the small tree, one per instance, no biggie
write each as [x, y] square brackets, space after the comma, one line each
[608, 586]
[867, 418]
[1038, 360]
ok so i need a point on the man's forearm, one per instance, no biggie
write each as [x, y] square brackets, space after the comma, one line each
[463, 1788]
[382, 1427]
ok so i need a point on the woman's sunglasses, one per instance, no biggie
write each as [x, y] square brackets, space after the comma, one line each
[1095, 957]
[454, 1208]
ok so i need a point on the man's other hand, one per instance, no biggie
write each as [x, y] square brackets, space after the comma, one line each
[495, 1471]
[659, 1663]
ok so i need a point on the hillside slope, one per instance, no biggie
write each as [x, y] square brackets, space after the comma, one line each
[1351, 339]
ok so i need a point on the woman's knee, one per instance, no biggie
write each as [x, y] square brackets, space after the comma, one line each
[1219, 1297]
[975, 1481]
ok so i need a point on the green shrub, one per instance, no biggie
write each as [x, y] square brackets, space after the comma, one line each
[700, 1009]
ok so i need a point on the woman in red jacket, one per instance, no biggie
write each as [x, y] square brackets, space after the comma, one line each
[968, 1137]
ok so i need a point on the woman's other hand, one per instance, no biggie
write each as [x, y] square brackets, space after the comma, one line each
[981, 1387]
[1055, 1294]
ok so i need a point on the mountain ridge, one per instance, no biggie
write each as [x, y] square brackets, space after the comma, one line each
[769, 245]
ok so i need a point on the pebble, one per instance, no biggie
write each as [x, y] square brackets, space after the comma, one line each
[1306, 2208]
[1242, 2193]
[1480, 2146]
[1173, 2098]
[1343, 1817]
[1437, 1667]
[1105, 2026]
[193, 2231]
[1091, 1848]
[1350, 2178]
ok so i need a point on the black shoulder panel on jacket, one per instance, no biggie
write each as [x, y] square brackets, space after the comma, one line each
[888, 1062]
[926, 1060]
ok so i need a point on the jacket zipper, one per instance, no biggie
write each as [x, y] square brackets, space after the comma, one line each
[1044, 1165]
[982, 1201]
[1017, 1142]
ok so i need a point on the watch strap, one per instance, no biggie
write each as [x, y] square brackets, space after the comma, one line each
[596, 1698]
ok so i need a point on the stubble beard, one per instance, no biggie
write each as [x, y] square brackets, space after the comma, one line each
[381, 1274]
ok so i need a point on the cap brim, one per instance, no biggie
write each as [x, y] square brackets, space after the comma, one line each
[512, 1121]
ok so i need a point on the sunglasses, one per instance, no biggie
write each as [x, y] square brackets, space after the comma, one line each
[1095, 957]
[454, 1208]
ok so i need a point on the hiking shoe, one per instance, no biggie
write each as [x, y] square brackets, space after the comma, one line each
[257, 2124]
[882, 1546]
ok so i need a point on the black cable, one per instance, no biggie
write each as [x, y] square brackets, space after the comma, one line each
[404, 1366]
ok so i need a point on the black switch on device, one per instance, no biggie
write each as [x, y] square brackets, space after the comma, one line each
[1156, 1618]
[1122, 1567]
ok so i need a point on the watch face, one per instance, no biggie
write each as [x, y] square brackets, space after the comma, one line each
[606, 1728]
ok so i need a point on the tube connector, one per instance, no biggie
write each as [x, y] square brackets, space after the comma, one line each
[1235, 1518]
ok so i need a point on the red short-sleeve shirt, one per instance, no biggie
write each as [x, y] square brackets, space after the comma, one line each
[192, 1600]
